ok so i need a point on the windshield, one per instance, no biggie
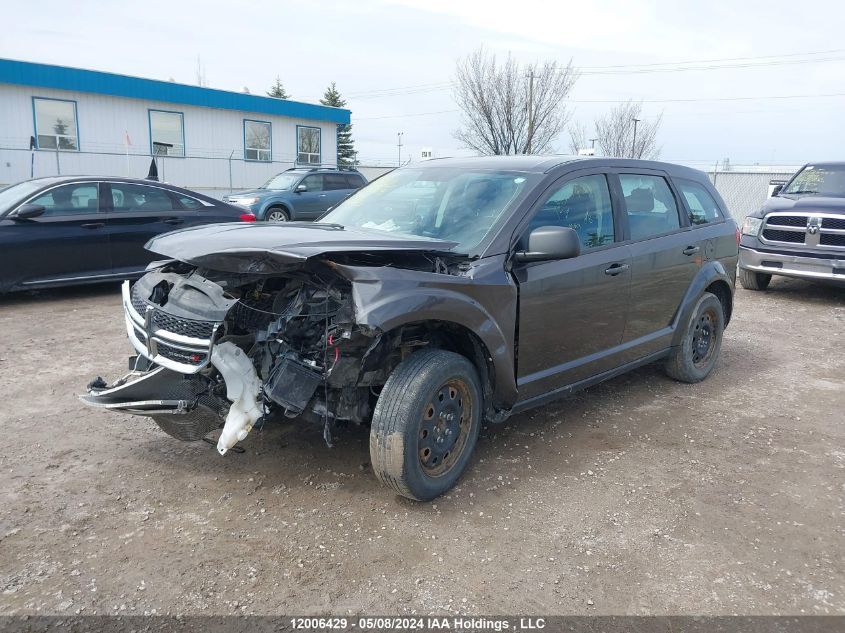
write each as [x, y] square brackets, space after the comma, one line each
[443, 203]
[281, 181]
[13, 194]
[822, 180]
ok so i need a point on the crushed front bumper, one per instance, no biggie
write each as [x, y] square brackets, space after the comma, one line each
[792, 265]
[178, 352]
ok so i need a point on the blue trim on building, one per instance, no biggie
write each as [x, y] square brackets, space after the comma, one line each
[150, 124]
[75, 120]
[96, 82]
[319, 154]
[257, 160]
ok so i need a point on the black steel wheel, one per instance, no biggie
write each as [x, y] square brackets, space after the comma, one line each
[426, 423]
[696, 355]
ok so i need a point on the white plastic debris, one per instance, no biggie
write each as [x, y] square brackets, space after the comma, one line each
[242, 389]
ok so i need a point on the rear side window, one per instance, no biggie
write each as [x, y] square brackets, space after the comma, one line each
[702, 207]
[650, 205]
[131, 197]
[189, 203]
[333, 182]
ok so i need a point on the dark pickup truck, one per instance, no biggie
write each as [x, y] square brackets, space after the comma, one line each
[799, 232]
[435, 298]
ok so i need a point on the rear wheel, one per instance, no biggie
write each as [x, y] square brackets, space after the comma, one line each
[751, 280]
[277, 214]
[426, 423]
[696, 356]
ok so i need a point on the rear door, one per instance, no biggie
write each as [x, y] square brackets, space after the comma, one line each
[572, 312]
[136, 213]
[337, 188]
[665, 258]
[68, 243]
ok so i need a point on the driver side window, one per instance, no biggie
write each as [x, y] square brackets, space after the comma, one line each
[582, 204]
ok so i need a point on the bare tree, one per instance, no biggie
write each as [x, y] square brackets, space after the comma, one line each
[577, 137]
[616, 132]
[508, 108]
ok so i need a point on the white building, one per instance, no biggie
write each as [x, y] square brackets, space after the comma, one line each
[58, 120]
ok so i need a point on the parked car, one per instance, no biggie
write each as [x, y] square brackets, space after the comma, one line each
[299, 193]
[76, 230]
[515, 281]
[799, 232]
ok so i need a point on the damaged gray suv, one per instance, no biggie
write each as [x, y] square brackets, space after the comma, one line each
[436, 298]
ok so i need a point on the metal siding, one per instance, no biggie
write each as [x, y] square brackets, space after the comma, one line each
[91, 81]
[210, 137]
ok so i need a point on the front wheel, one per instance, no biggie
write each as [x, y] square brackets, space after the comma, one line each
[751, 280]
[695, 357]
[276, 215]
[425, 424]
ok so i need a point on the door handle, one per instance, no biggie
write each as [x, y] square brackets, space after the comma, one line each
[616, 269]
[93, 225]
[173, 220]
[691, 250]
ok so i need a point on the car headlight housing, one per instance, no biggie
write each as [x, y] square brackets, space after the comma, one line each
[244, 201]
[751, 226]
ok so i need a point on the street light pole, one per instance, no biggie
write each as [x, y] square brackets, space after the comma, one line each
[593, 143]
[399, 145]
[634, 143]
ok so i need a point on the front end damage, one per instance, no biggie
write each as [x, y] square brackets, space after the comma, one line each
[237, 349]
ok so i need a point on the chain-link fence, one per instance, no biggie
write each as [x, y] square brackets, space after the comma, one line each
[214, 176]
[745, 191]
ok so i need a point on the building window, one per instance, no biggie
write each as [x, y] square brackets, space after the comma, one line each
[257, 140]
[307, 145]
[167, 133]
[55, 124]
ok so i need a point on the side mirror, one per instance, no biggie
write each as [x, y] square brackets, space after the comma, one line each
[29, 211]
[777, 189]
[301, 188]
[550, 242]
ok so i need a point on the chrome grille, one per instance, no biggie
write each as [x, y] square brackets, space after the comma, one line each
[163, 321]
[813, 230]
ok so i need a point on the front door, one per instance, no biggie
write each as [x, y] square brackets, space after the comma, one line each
[572, 312]
[67, 243]
[313, 202]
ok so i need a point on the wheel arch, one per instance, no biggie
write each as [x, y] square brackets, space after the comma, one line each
[277, 204]
[438, 334]
[712, 277]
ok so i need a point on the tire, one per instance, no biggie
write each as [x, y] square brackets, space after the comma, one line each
[425, 424]
[751, 280]
[276, 215]
[696, 356]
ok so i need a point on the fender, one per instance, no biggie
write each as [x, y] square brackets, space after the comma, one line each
[710, 272]
[483, 302]
[275, 202]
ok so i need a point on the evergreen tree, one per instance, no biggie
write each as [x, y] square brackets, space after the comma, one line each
[278, 90]
[345, 144]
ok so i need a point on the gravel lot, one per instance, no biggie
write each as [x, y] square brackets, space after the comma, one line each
[640, 496]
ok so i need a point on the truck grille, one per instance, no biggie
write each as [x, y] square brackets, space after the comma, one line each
[784, 236]
[812, 230]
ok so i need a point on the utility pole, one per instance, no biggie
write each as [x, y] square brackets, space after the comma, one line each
[399, 145]
[530, 109]
[592, 143]
[634, 143]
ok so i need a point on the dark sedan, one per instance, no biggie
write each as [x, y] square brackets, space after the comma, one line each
[76, 230]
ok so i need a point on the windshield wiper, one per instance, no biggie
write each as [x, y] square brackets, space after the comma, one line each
[792, 193]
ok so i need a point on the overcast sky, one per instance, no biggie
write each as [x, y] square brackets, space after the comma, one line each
[407, 49]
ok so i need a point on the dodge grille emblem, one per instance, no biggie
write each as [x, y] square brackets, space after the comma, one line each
[813, 229]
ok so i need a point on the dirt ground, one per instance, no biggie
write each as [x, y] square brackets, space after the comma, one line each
[640, 496]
